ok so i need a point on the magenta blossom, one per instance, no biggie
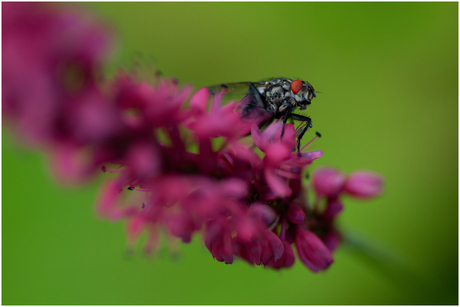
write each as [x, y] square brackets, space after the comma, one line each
[246, 195]
[219, 121]
[279, 155]
[50, 68]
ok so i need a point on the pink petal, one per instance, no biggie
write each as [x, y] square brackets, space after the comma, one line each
[276, 245]
[275, 153]
[144, 159]
[333, 208]
[328, 181]
[312, 155]
[262, 212]
[199, 101]
[257, 137]
[289, 257]
[289, 137]
[332, 240]
[107, 198]
[312, 251]
[295, 214]
[134, 227]
[364, 184]
[234, 188]
[246, 229]
[278, 186]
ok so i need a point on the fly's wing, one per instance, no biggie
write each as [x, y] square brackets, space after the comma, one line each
[235, 91]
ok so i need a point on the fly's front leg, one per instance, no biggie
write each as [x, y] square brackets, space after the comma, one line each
[309, 125]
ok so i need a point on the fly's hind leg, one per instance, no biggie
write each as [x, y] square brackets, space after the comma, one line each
[255, 93]
[309, 125]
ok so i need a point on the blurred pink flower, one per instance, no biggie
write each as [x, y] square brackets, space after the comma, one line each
[50, 68]
[278, 154]
[221, 120]
[247, 204]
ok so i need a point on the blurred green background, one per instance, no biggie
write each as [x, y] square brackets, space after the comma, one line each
[388, 77]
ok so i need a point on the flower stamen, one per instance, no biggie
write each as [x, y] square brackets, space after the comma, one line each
[318, 135]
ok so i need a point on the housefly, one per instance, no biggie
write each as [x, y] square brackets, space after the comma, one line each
[279, 98]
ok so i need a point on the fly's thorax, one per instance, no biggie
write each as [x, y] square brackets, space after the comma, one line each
[275, 96]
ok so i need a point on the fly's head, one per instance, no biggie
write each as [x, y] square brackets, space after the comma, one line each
[302, 92]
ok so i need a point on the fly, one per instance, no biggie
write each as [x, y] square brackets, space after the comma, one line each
[276, 99]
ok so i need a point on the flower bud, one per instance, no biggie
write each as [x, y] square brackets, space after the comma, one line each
[312, 251]
[364, 184]
[295, 214]
[328, 182]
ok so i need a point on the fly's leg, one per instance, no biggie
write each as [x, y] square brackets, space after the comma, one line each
[286, 116]
[309, 125]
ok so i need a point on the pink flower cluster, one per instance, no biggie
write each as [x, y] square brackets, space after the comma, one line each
[177, 169]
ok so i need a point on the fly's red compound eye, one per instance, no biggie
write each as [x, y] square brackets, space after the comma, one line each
[296, 86]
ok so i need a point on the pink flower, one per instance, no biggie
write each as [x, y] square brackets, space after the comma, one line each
[278, 153]
[50, 58]
[245, 205]
[330, 182]
[219, 121]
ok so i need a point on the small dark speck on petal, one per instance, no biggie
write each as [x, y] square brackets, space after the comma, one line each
[103, 168]
[143, 205]
[130, 188]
